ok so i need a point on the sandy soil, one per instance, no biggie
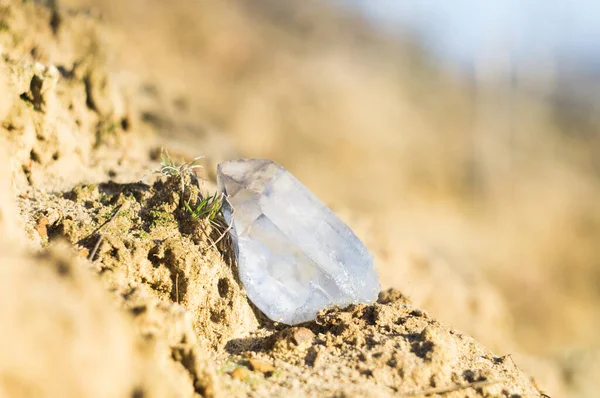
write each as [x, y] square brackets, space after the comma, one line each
[111, 289]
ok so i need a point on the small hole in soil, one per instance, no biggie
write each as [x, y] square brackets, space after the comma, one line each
[223, 286]
[138, 393]
[55, 156]
[125, 124]
[55, 22]
[34, 156]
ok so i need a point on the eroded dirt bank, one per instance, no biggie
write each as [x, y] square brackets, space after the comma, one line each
[111, 288]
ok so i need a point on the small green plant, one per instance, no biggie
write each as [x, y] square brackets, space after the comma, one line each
[160, 218]
[143, 234]
[208, 207]
[110, 128]
[171, 169]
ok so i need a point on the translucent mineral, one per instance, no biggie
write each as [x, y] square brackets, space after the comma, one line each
[295, 256]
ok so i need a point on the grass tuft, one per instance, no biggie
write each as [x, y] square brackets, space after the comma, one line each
[209, 207]
[170, 169]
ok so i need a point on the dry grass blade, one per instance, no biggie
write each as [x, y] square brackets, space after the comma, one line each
[226, 226]
[101, 237]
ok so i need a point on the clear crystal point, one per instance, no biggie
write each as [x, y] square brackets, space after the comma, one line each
[295, 256]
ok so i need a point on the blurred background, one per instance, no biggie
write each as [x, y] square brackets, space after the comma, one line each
[459, 138]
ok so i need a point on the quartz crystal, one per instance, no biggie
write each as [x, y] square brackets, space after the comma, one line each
[295, 256]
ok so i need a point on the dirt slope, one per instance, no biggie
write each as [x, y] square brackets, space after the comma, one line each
[110, 288]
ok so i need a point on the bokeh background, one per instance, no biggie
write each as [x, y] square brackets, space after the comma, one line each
[459, 138]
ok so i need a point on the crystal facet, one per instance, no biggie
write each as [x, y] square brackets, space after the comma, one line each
[295, 256]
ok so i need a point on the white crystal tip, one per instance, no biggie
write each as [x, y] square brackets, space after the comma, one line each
[295, 256]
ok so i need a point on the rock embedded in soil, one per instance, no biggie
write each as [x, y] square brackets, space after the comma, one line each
[240, 373]
[295, 256]
[41, 228]
[294, 338]
[261, 366]
[302, 336]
